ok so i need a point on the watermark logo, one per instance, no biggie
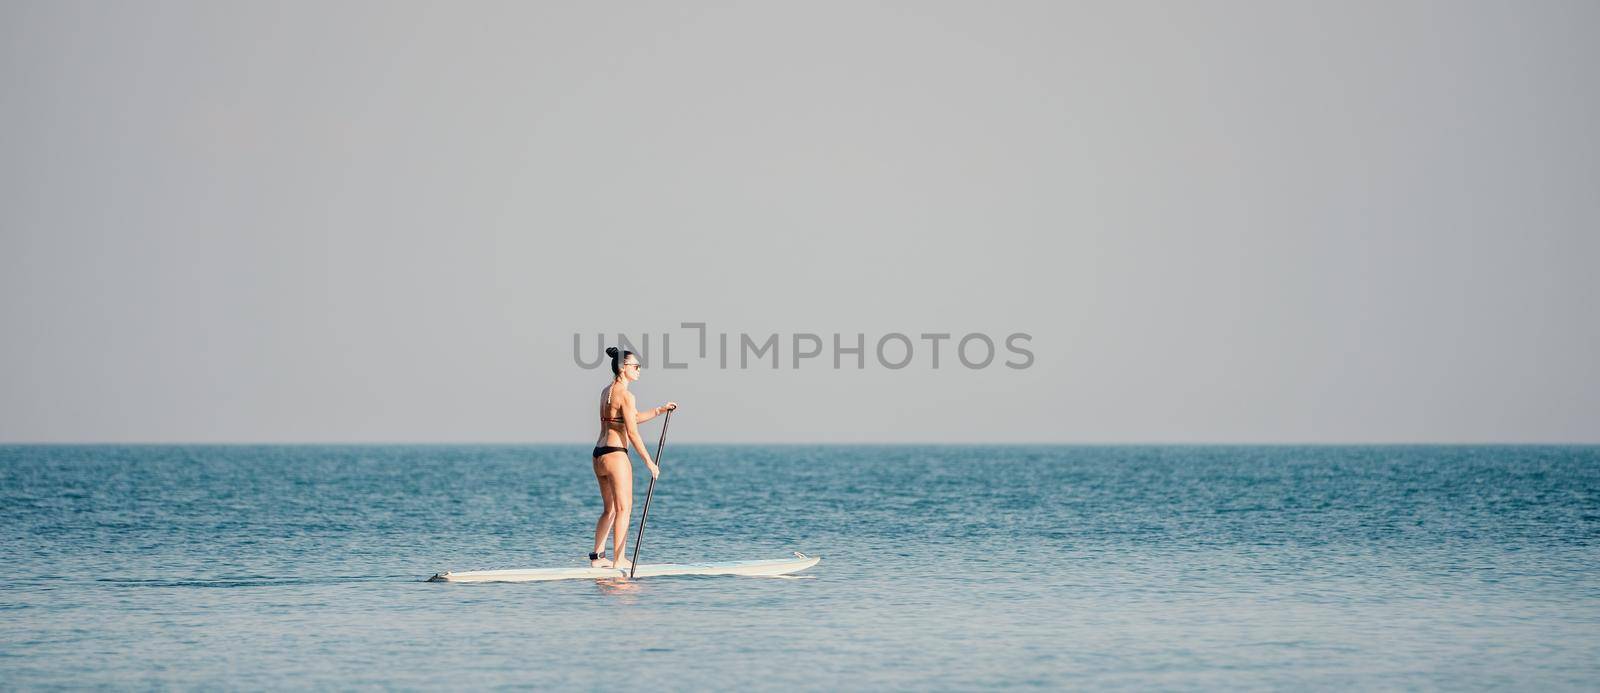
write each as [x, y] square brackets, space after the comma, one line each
[797, 350]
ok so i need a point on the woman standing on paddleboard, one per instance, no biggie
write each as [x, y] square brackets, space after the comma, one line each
[619, 425]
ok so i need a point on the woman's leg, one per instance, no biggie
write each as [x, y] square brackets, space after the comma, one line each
[608, 515]
[619, 474]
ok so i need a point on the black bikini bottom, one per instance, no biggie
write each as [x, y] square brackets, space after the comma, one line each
[607, 449]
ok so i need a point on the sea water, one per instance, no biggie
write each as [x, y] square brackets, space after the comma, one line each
[944, 568]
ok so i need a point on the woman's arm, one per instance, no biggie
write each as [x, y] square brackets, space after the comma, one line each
[630, 420]
[644, 416]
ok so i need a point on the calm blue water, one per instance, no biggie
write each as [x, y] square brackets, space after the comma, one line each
[944, 568]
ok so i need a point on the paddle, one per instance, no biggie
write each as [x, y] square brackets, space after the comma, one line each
[647, 494]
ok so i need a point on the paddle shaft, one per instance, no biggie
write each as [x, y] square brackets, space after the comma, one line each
[647, 495]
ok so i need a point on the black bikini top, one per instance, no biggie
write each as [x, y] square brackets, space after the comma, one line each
[603, 419]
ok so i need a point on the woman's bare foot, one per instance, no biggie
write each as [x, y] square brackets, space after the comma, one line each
[599, 562]
[622, 563]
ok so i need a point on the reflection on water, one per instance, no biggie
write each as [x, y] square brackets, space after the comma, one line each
[618, 587]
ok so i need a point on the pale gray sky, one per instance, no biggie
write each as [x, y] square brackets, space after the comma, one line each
[1220, 221]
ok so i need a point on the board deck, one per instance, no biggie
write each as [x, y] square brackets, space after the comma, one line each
[781, 566]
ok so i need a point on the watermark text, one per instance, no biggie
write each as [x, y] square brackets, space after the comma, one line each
[797, 350]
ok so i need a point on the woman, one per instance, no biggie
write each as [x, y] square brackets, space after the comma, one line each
[619, 424]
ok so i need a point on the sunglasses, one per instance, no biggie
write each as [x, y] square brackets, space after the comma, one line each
[635, 365]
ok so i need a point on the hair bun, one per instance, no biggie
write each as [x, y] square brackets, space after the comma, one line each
[611, 351]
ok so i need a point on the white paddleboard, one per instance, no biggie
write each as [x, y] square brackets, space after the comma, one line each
[782, 566]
